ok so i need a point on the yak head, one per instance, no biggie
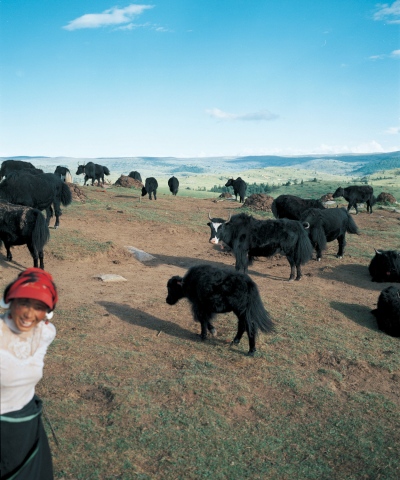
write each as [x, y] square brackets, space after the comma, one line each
[81, 169]
[338, 193]
[215, 225]
[175, 290]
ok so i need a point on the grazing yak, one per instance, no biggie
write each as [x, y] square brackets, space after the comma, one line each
[387, 312]
[249, 238]
[212, 290]
[239, 188]
[150, 187]
[328, 225]
[173, 184]
[21, 225]
[292, 207]
[357, 194]
[136, 176]
[9, 166]
[63, 173]
[94, 172]
[36, 191]
[385, 266]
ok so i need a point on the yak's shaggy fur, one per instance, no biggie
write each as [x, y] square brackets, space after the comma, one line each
[250, 238]
[21, 225]
[40, 191]
[387, 312]
[173, 184]
[212, 290]
[292, 207]
[385, 266]
[328, 225]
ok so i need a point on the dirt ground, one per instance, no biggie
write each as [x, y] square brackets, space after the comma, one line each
[181, 242]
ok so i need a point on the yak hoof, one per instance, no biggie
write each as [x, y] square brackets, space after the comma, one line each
[299, 278]
[213, 332]
[251, 353]
[339, 256]
[235, 341]
[318, 259]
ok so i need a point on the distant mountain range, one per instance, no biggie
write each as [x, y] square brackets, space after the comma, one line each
[349, 165]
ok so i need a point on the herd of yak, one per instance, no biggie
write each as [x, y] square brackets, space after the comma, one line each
[300, 227]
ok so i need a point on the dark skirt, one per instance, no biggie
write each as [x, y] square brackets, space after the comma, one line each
[25, 452]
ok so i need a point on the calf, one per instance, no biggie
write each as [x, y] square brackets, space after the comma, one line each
[328, 225]
[292, 207]
[239, 188]
[357, 194]
[21, 225]
[250, 238]
[173, 184]
[385, 266]
[212, 290]
[150, 187]
[387, 312]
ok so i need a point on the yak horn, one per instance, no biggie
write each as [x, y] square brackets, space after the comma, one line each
[209, 216]
[230, 215]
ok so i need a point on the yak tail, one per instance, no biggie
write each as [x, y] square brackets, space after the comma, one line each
[317, 236]
[303, 249]
[257, 318]
[40, 233]
[351, 225]
[274, 210]
[66, 196]
[106, 171]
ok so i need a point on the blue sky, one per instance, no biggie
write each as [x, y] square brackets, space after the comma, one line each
[93, 78]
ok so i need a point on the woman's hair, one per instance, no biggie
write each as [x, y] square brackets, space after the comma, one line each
[33, 283]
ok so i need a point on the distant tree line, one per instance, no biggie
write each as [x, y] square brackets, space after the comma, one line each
[251, 188]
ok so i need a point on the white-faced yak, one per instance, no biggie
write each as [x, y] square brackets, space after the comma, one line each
[212, 290]
[248, 238]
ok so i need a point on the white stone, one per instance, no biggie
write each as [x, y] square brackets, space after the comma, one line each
[110, 277]
[140, 254]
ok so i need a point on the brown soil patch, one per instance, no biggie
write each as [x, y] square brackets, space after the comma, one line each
[128, 182]
[259, 201]
[386, 197]
[77, 193]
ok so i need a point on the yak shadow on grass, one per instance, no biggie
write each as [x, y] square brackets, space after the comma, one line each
[359, 314]
[352, 274]
[143, 319]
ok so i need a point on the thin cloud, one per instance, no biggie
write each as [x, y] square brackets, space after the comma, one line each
[388, 13]
[262, 115]
[111, 17]
[393, 130]
[394, 54]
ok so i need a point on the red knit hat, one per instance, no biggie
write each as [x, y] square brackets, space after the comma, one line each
[33, 283]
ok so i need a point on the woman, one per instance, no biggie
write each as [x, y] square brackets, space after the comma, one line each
[25, 334]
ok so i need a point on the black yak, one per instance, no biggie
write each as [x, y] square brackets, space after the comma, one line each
[36, 191]
[385, 266]
[150, 187]
[13, 165]
[249, 238]
[357, 194]
[94, 172]
[135, 175]
[239, 188]
[292, 207]
[173, 184]
[387, 312]
[212, 290]
[328, 225]
[21, 225]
